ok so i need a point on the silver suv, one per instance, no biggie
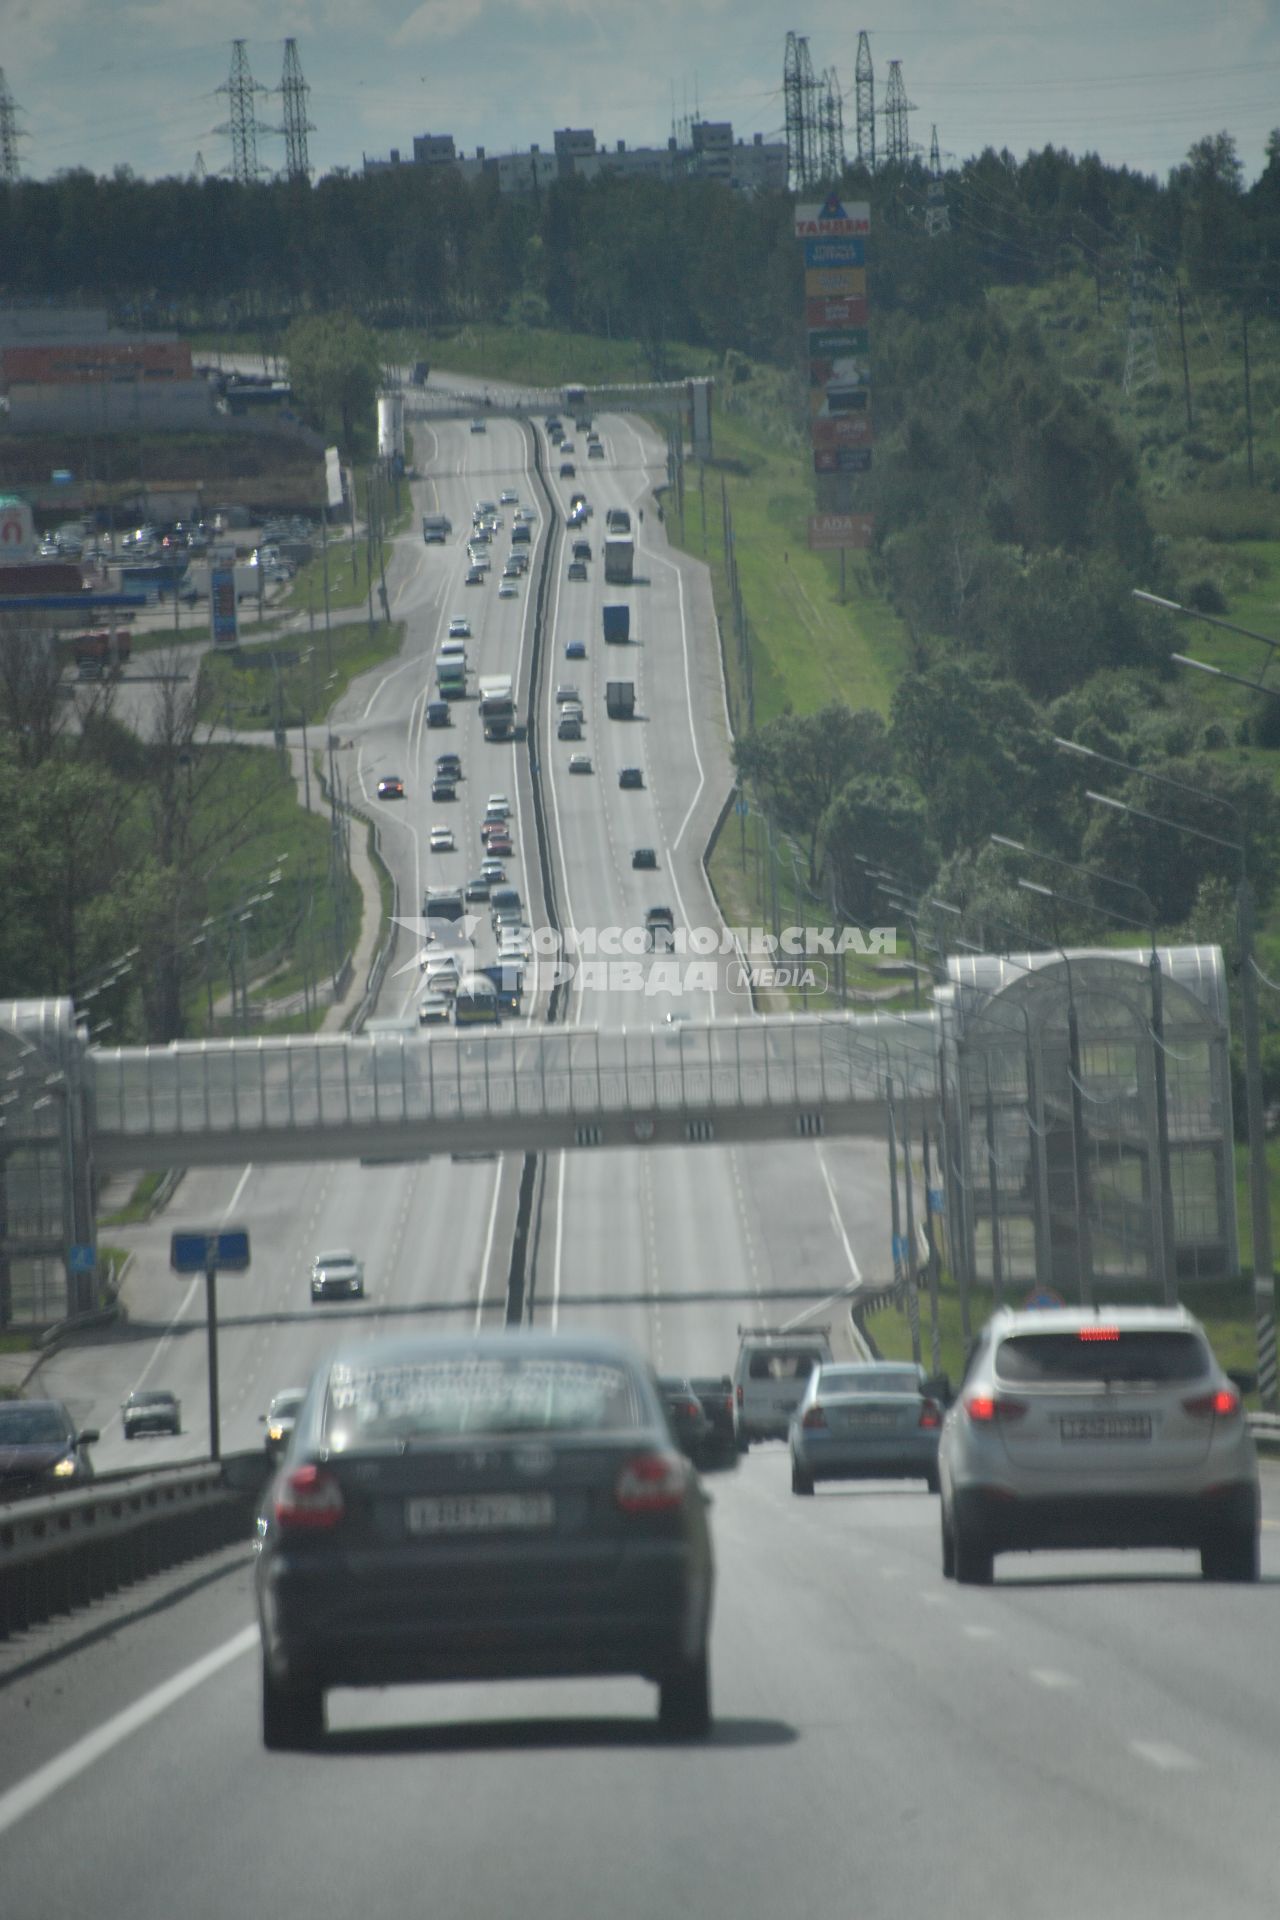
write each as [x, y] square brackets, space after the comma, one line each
[1110, 1427]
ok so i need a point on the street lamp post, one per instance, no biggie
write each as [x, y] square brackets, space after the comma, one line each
[1259, 1193]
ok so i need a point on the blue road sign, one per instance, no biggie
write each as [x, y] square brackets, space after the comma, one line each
[842, 251]
[1043, 1297]
[81, 1258]
[741, 808]
[899, 1246]
[226, 1250]
[937, 1200]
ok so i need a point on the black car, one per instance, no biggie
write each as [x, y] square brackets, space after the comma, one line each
[716, 1395]
[41, 1449]
[630, 777]
[443, 788]
[684, 1410]
[151, 1412]
[644, 857]
[448, 766]
[439, 713]
[482, 1507]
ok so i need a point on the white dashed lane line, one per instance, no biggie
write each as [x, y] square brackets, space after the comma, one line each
[1169, 1759]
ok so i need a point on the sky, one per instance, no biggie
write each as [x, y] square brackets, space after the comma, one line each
[107, 83]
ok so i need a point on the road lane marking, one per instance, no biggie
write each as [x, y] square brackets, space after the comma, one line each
[488, 1246]
[976, 1632]
[1053, 1679]
[58, 1773]
[1169, 1759]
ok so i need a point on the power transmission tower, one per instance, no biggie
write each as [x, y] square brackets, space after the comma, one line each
[200, 172]
[1140, 363]
[897, 137]
[243, 125]
[936, 217]
[799, 90]
[294, 90]
[831, 126]
[864, 88]
[10, 134]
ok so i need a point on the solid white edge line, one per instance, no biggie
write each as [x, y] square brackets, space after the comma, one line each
[488, 1244]
[69, 1765]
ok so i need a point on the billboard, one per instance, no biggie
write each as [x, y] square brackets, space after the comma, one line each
[849, 311]
[845, 430]
[17, 530]
[831, 531]
[831, 217]
[847, 251]
[842, 460]
[835, 283]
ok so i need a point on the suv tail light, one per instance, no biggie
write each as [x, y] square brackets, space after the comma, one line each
[815, 1417]
[984, 1408]
[1223, 1404]
[651, 1483]
[308, 1499]
[739, 1393]
[931, 1414]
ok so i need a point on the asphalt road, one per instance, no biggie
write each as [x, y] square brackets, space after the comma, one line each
[1095, 1734]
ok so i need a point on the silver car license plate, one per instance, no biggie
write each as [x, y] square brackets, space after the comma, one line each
[480, 1513]
[1107, 1426]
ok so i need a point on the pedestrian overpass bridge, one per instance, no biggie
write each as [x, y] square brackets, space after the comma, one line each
[404, 1094]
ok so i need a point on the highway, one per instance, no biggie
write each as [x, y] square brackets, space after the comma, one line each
[1094, 1734]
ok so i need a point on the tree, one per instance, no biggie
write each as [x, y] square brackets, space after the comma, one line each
[335, 369]
[799, 762]
[882, 817]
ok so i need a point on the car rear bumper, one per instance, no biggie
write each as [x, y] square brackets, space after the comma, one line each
[896, 1456]
[389, 1630]
[1009, 1522]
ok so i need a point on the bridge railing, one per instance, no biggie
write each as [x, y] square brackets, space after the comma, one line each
[332, 1081]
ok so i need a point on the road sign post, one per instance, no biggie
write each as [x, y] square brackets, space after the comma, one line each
[206, 1252]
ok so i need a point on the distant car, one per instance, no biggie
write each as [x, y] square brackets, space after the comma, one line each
[582, 550]
[477, 426]
[508, 497]
[498, 805]
[41, 1449]
[575, 650]
[567, 470]
[499, 844]
[482, 1506]
[434, 1009]
[569, 725]
[155, 1411]
[508, 590]
[442, 788]
[439, 713]
[477, 889]
[566, 445]
[475, 577]
[644, 857]
[577, 570]
[442, 840]
[337, 1276]
[279, 1418]
[579, 763]
[513, 570]
[594, 450]
[495, 829]
[865, 1420]
[716, 1395]
[494, 872]
[525, 516]
[459, 629]
[440, 975]
[391, 787]
[1112, 1426]
[689, 1422]
[630, 777]
[565, 692]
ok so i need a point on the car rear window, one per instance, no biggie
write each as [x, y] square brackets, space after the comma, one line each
[371, 1402]
[1101, 1352]
[858, 1380]
[784, 1363]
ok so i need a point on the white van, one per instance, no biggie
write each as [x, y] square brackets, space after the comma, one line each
[769, 1381]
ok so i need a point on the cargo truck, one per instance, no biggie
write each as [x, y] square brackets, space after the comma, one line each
[451, 675]
[497, 706]
[96, 653]
[620, 699]
[617, 623]
[619, 555]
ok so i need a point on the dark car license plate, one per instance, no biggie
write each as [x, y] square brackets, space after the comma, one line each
[1107, 1426]
[479, 1513]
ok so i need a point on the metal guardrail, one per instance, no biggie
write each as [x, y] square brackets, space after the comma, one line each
[69, 1549]
[1265, 1428]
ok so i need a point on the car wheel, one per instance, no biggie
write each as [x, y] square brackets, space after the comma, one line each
[743, 1444]
[931, 1480]
[974, 1560]
[292, 1716]
[948, 1550]
[801, 1482]
[1231, 1556]
[684, 1700]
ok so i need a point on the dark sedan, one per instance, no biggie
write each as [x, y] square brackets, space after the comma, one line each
[716, 1395]
[684, 1410]
[41, 1449]
[500, 1506]
[155, 1411]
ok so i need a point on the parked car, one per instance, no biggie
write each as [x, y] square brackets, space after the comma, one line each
[482, 1507]
[153, 1410]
